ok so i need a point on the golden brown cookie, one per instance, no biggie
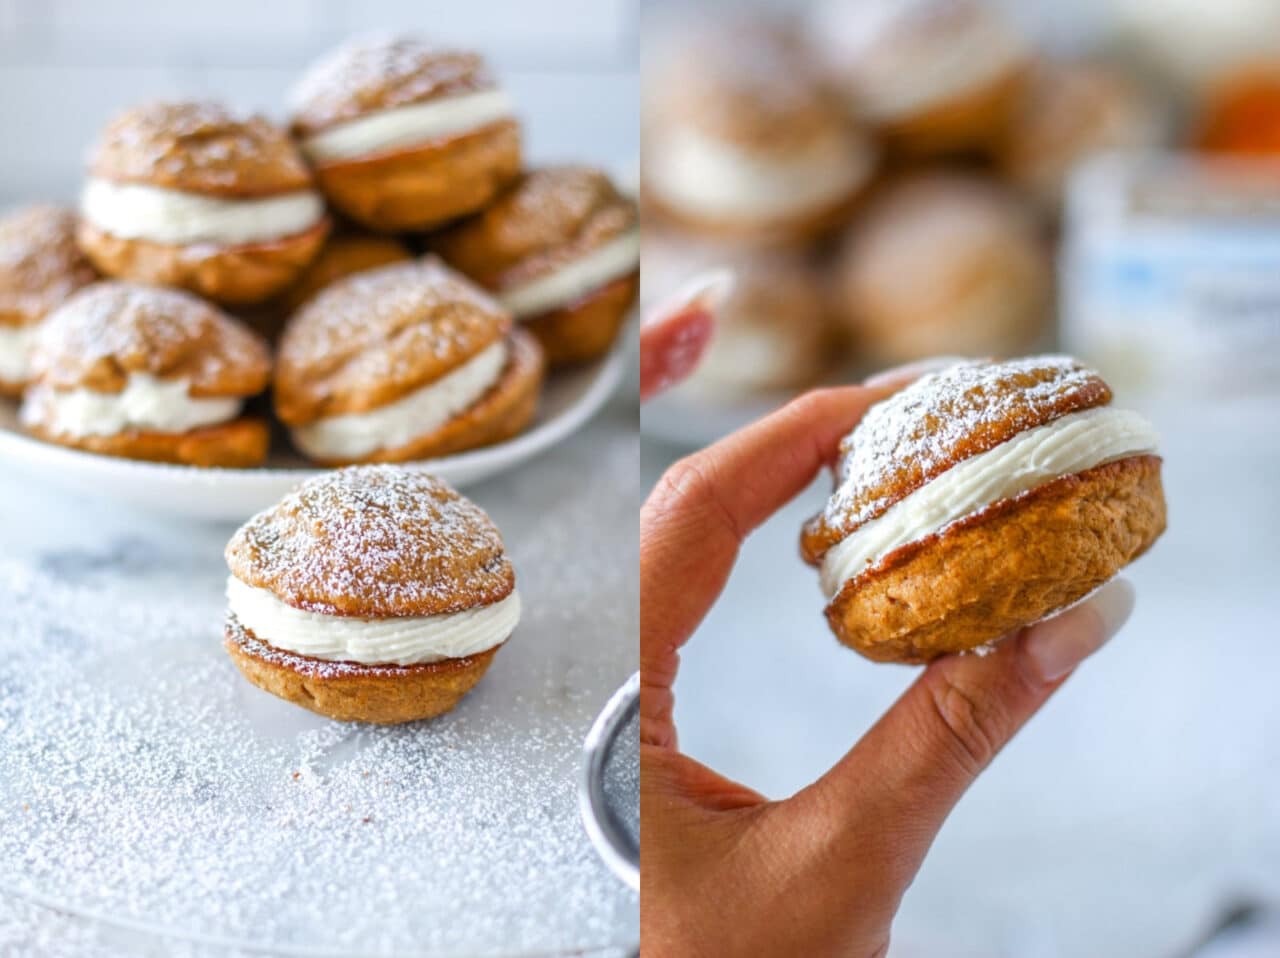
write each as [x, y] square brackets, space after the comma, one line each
[343, 255]
[1068, 112]
[943, 263]
[561, 250]
[373, 594]
[194, 196]
[404, 134]
[400, 362]
[773, 329]
[978, 500]
[147, 373]
[933, 76]
[40, 267]
[742, 140]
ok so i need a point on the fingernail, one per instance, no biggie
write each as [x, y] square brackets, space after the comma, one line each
[707, 290]
[912, 370]
[1056, 646]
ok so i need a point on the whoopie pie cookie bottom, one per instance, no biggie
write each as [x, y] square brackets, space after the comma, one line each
[1013, 563]
[235, 275]
[585, 329]
[423, 186]
[352, 692]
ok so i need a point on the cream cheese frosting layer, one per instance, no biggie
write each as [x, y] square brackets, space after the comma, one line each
[411, 640]
[148, 403]
[692, 172]
[897, 67]
[172, 217]
[1071, 444]
[410, 125]
[15, 352]
[423, 411]
[617, 258]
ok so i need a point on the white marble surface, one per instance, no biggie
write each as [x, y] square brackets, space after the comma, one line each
[569, 522]
[1143, 798]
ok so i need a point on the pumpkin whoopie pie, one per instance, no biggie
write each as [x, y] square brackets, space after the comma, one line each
[148, 373]
[370, 594]
[978, 500]
[405, 134]
[742, 140]
[343, 255]
[561, 250]
[933, 76]
[406, 361]
[40, 267]
[944, 263]
[195, 196]
[1070, 111]
[772, 330]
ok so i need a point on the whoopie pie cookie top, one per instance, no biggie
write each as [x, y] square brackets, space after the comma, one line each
[375, 73]
[343, 255]
[199, 148]
[747, 83]
[40, 263]
[373, 337]
[110, 330]
[938, 421]
[374, 542]
[548, 219]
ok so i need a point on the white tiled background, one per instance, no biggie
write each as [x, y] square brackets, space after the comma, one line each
[67, 65]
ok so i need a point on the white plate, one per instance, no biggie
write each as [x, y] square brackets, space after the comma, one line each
[568, 401]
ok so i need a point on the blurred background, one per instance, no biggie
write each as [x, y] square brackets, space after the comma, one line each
[570, 69]
[893, 179]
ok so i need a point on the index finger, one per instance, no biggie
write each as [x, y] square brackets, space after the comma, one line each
[702, 509]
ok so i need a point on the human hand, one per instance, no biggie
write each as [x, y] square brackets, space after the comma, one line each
[675, 334]
[728, 872]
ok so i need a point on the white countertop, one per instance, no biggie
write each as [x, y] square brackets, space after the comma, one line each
[144, 785]
[1142, 799]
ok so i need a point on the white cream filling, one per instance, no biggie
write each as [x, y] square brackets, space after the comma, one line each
[962, 64]
[408, 640]
[160, 405]
[172, 217]
[708, 177]
[894, 76]
[410, 125]
[423, 411]
[1074, 443]
[615, 259]
[15, 352]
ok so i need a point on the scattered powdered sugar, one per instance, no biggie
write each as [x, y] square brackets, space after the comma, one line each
[913, 435]
[144, 782]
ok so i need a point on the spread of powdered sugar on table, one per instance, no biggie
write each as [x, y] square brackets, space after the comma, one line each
[146, 789]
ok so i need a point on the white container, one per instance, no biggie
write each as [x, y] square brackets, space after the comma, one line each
[1171, 274]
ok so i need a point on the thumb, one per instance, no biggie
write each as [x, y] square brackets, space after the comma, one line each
[909, 771]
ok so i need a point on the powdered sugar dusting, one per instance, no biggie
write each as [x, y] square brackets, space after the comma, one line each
[402, 325]
[141, 779]
[382, 71]
[198, 146]
[914, 434]
[111, 329]
[40, 265]
[375, 541]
